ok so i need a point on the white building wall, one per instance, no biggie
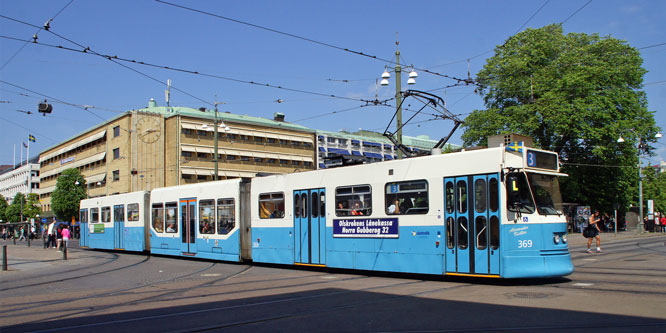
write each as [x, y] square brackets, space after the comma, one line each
[24, 179]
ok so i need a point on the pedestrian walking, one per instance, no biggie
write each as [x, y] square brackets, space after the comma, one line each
[663, 223]
[22, 234]
[592, 232]
[59, 238]
[4, 233]
[65, 237]
[52, 232]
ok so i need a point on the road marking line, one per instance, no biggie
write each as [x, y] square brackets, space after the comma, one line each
[580, 284]
[212, 274]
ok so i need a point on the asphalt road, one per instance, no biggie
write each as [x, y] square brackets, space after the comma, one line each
[622, 289]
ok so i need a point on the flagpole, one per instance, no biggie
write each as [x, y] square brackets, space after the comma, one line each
[14, 165]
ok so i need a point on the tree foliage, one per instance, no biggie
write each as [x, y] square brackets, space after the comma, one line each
[32, 207]
[67, 194]
[574, 94]
[14, 210]
[3, 209]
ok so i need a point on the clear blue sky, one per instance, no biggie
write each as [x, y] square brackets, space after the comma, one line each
[435, 35]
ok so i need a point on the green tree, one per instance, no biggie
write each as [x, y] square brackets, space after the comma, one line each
[574, 94]
[654, 184]
[3, 209]
[32, 207]
[14, 210]
[67, 194]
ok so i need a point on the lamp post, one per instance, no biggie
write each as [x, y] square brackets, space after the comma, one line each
[398, 97]
[216, 138]
[640, 226]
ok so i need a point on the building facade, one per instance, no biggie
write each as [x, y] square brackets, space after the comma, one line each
[166, 146]
[368, 146]
[23, 178]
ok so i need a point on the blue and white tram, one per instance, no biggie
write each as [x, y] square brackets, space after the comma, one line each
[488, 212]
[442, 214]
[197, 220]
[115, 222]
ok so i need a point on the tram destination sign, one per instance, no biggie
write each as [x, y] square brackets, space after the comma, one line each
[365, 228]
[541, 160]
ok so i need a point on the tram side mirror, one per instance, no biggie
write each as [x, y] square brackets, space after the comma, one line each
[512, 190]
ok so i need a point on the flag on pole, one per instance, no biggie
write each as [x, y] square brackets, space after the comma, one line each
[24, 145]
[31, 138]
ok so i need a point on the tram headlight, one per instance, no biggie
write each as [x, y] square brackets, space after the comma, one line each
[556, 239]
[564, 239]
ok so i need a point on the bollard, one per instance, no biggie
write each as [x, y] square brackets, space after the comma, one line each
[64, 251]
[29, 240]
[14, 238]
[4, 257]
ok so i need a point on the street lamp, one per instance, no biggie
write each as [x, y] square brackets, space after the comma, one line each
[398, 97]
[215, 137]
[640, 227]
[77, 183]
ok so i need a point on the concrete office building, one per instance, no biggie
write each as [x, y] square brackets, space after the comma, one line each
[162, 146]
[22, 178]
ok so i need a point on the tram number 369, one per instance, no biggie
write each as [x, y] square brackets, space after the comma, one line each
[524, 243]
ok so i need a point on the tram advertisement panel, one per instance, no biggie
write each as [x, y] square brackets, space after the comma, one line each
[365, 228]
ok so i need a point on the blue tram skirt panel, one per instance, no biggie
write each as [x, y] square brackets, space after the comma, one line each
[206, 248]
[108, 239]
[529, 250]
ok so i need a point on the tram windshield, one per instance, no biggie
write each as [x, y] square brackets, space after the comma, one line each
[520, 198]
[546, 191]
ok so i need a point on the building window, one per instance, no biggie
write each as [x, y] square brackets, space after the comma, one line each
[245, 158]
[202, 155]
[258, 160]
[271, 160]
[186, 154]
[284, 162]
[116, 175]
[271, 205]
[116, 153]
[231, 157]
[258, 139]
[186, 131]
[271, 140]
[201, 133]
[231, 136]
[186, 176]
[116, 131]
[307, 163]
[283, 142]
[202, 177]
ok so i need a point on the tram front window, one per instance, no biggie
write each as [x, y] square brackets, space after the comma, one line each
[546, 190]
[520, 198]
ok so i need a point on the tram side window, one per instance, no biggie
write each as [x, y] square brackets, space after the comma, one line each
[106, 214]
[353, 200]
[158, 217]
[271, 205]
[407, 198]
[226, 212]
[207, 216]
[83, 216]
[133, 212]
[119, 213]
[171, 217]
[94, 215]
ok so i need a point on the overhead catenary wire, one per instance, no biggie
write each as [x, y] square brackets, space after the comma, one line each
[188, 71]
[35, 36]
[82, 107]
[310, 40]
[87, 49]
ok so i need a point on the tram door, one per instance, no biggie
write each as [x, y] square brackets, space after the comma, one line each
[486, 224]
[188, 217]
[118, 226]
[457, 224]
[83, 227]
[472, 224]
[310, 226]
